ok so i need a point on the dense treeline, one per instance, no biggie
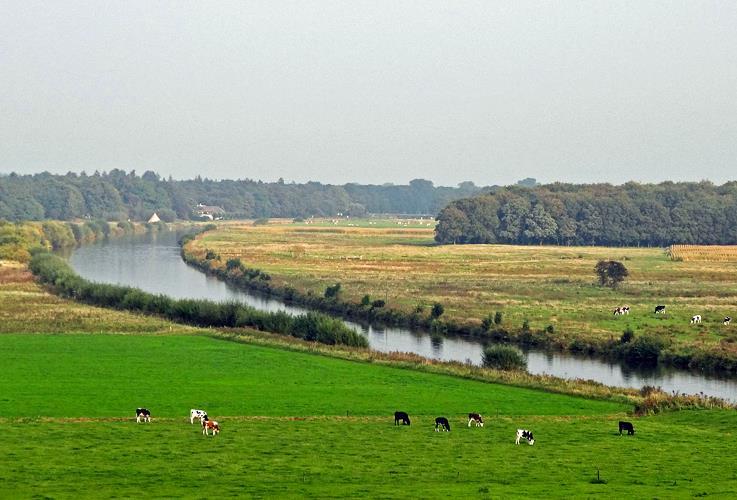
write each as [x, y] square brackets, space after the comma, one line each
[54, 271]
[117, 195]
[18, 240]
[596, 214]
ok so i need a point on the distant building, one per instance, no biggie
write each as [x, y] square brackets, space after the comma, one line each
[154, 218]
[209, 212]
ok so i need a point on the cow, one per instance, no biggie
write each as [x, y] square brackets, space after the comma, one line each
[525, 434]
[659, 309]
[696, 319]
[442, 423]
[401, 416]
[626, 426]
[143, 414]
[476, 419]
[727, 321]
[193, 414]
[621, 310]
[210, 425]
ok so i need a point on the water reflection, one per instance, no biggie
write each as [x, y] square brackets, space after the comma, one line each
[152, 263]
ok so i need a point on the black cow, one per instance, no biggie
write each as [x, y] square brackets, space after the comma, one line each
[443, 423]
[659, 309]
[401, 416]
[476, 419]
[626, 426]
[143, 414]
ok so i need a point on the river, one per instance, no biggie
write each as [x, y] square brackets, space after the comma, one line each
[152, 262]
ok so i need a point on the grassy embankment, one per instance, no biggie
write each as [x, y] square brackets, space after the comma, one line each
[553, 288]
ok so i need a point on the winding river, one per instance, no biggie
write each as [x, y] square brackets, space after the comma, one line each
[152, 262]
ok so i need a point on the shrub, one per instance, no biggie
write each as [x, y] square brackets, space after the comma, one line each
[610, 273]
[498, 318]
[644, 350]
[366, 300]
[503, 357]
[232, 264]
[550, 328]
[211, 255]
[627, 336]
[488, 322]
[437, 310]
[378, 304]
[332, 291]
[525, 326]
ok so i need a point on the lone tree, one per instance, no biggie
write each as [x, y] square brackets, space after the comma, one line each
[610, 272]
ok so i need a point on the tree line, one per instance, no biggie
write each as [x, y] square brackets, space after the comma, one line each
[595, 214]
[119, 195]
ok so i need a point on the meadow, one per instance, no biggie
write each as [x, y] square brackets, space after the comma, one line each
[298, 424]
[552, 288]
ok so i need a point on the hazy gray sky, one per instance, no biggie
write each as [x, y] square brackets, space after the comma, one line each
[372, 92]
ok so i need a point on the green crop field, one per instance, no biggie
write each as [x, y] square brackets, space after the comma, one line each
[545, 285]
[298, 424]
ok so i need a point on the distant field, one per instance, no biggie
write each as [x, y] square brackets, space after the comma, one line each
[68, 400]
[704, 253]
[542, 284]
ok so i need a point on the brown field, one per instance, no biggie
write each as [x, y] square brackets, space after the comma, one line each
[703, 253]
[544, 285]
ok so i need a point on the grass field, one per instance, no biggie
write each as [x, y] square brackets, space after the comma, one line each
[704, 253]
[68, 429]
[542, 284]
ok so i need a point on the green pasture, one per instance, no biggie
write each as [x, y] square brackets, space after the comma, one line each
[67, 406]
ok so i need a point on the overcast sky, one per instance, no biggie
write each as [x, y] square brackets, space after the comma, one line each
[372, 92]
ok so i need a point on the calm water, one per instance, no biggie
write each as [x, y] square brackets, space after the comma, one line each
[152, 263]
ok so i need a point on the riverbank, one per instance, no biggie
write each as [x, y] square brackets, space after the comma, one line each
[339, 270]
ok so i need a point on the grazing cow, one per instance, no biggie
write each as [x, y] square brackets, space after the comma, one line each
[524, 434]
[621, 310]
[443, 423]
[143, 414]
[696, 319]
[193, 414]
[476, 419]
[401, 416]
[659, 309]
[727, 321]
[208, 425]
[626, 426]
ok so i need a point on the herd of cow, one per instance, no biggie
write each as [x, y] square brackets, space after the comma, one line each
[695, 319]
[441, 423]
[143, 414]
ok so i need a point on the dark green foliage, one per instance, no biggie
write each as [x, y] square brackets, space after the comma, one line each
[599, 214]
[498, 318]
[550, 329]
[378, 304]
[211, 255]
[232, 264]
[365, 300]
[487, 323]
[437, 310]
[503, 357]
[54, 271]
[643, 350]
[627, 336]
[525, 326]
[610, 273]
[332, 291]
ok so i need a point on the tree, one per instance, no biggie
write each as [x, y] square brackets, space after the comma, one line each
[437, 310]
[610, 273]
[539, 225]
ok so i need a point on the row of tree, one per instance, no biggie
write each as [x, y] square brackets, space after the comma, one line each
[595, 214]
[119, 195]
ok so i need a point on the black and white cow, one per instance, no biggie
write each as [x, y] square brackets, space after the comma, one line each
[626, 426]
[696, 319]
[476, 419]
[727, 321]
[524, 434]
[142, 414]
[400, 416]
[659, 309]
[621, 310]
[200, 414]
[442, 423]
